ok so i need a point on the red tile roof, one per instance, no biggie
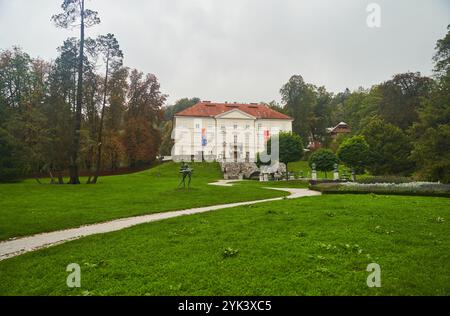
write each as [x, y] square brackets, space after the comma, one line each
[209, 109]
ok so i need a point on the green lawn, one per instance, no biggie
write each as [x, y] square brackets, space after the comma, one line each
[27, 208]
[310, 246]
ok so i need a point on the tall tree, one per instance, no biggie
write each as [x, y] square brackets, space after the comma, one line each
[112, 57]
[401, 97]
[114, 150]
[299, 99]
[74, 14]
[431, 133]
[442, 55]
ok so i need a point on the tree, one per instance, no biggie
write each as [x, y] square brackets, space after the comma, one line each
[22, 90]
[74, 12]
[355, 108]
[112, 57]
[442, 55]
[12, 165]
[401, 98]
[142, 137]
[324, 159]
[354, 153]
[320, 119]
[431, 134]
[299, 99]
[291, 148]
[390, 148]
[179, 106]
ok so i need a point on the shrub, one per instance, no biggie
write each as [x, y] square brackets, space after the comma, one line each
[354, 153]
[410, 188]
[324, 159]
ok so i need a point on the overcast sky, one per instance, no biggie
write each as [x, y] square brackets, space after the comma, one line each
[245, 50]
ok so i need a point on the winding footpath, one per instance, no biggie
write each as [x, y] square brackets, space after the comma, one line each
[15, 247]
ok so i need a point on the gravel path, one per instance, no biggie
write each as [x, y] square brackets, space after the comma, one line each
[15, 247]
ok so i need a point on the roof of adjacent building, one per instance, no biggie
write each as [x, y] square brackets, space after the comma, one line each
[210, 109]
[341, 125]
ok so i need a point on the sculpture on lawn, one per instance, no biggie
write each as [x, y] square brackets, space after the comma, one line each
[186, 172]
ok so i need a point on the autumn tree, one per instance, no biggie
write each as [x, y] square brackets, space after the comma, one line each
[142, 136]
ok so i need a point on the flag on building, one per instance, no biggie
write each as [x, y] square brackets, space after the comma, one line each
[204, 138]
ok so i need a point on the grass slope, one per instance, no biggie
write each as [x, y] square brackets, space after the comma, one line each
[310, 246]
[27, 208]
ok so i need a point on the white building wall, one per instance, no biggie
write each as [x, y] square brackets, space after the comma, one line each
[235, 129]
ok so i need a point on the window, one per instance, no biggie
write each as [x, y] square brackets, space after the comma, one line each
[235, 126]
[197, 126]
[235, 139]
[259, 126]
[247, 126]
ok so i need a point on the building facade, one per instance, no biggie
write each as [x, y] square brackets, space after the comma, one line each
[232, 132]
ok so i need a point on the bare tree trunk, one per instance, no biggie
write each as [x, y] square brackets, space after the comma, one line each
[100, 131]
[73, 168]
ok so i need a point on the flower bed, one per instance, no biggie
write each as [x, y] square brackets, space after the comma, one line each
[410, 188]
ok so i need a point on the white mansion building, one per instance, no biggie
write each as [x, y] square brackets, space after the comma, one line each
[229, 132]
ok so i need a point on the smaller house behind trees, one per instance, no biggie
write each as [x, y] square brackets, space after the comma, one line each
[341, 128]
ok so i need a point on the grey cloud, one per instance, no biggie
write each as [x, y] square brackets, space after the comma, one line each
[244, 50]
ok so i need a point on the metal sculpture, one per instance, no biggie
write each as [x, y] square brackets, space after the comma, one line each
[186, 172]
